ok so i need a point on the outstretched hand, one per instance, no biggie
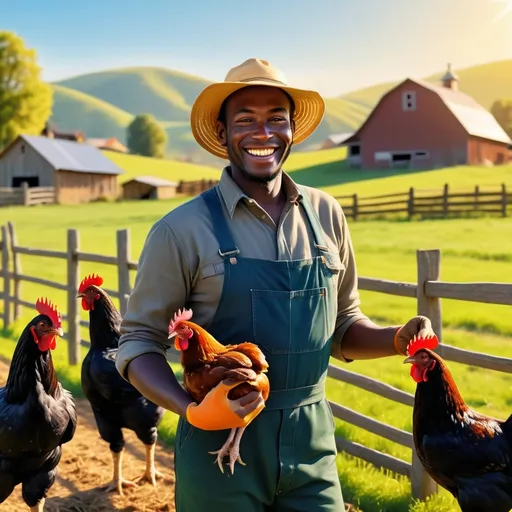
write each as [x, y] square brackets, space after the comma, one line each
[217, 412]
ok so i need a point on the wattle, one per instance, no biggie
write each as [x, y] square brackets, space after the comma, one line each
[416, 373]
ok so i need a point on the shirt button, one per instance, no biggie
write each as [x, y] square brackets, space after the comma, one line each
[263, 216]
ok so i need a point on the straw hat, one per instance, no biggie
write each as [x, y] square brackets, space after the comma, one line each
[309, 105]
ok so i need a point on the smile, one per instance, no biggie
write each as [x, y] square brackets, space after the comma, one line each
[261, 152]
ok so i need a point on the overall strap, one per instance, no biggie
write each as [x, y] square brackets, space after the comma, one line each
[318, 232]
[220, 225]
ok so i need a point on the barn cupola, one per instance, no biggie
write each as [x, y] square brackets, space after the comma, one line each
[450, 80]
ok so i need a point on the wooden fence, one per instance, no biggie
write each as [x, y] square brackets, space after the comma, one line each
[428, 203]
[428, 292]
[26, 196]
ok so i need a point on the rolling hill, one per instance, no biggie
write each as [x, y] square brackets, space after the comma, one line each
[102, 104]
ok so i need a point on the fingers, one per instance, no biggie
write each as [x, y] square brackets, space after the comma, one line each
[248, 399]
[248, 409]
[231, 383]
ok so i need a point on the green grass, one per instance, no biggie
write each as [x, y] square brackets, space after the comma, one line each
[172, 170]
[472, 250]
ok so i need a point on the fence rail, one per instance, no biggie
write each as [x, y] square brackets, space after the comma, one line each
[428, 292]
[428, 204]
[27, 196]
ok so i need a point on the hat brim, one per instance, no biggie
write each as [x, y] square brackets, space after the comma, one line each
[309, 112]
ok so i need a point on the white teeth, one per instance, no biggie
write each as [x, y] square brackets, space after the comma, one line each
[261, 152]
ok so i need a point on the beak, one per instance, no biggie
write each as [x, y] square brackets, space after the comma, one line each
[57, 332]
[80, 295]
[171, 335]
[409, 360]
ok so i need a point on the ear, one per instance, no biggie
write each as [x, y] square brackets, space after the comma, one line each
[221, 133]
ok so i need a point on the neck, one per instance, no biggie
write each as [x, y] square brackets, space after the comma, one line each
[30, 367]
[439, 396]
[203, 347]
[104, 323]
[270, 193]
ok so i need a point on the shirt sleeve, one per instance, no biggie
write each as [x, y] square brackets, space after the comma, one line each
[349, 302]
[161, 288]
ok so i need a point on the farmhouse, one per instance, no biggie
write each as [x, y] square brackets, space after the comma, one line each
[420, 125]
[111, 144]
[78, 172]
[149, 187]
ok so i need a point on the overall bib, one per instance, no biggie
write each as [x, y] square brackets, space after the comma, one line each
[288, 308]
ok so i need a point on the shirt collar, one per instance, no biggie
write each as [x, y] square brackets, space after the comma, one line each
[232, 194]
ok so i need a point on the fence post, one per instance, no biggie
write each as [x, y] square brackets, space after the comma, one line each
[410, 203]
[477, 193]
[445, 200]
[7, 278]
[429, 269]
[503, 200]
[16, 268]
[123, 272]
[355, 207]
[73, 313]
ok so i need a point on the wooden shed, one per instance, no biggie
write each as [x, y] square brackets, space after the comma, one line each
[149, 187]
[79, 173]
[420, 125]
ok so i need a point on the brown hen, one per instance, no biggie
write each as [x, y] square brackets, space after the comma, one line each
[206, 363]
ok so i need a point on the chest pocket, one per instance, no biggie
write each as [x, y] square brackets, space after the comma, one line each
[332, 265]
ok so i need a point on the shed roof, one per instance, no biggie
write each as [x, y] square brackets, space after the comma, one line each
[152, 181]
[72, 156]
[475, 119]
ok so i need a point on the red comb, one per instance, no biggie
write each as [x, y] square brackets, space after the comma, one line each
[418, 343]
[179, 316]
[45, 307]
[91, 279]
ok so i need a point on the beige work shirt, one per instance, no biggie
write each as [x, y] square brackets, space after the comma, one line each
[180, 265]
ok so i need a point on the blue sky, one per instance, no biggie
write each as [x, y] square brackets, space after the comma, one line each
[334, 47]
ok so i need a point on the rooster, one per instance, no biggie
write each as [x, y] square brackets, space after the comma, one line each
[37, 416]
[467, 453]
[116, 404]
[206, 363]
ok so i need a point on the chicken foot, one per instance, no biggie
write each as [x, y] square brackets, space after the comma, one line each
[232, 448]
[39, 507]
[118, 482]
[151, 474]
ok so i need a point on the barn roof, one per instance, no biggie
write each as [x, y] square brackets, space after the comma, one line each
[72, 156]
[475, 119]
[338, 138]
[152, 181]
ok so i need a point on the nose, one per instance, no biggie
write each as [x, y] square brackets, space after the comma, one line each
[262, 133]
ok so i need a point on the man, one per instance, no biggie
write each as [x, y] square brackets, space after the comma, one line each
[257, 258]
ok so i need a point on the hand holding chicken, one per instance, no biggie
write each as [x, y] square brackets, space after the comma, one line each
[228, 383]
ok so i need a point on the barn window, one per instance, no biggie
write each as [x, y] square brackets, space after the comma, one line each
[409, 101]
[22, 148]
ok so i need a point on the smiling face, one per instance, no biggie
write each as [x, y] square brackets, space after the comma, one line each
[256, 128]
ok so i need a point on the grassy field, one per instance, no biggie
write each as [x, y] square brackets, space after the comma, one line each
[472, 250]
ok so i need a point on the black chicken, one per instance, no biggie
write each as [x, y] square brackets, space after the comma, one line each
[116, 404]
[467, 453]
[37, 416]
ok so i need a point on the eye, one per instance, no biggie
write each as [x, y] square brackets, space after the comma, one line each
[278, 119]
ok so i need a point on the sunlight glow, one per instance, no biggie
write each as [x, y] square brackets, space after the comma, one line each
[506, 9]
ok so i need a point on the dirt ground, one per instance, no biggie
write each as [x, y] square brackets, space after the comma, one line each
[86, 469]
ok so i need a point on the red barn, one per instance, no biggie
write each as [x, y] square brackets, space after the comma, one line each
[419, 125]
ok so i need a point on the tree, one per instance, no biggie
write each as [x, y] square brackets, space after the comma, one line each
[146, 137]
[25, 100]
[502, 111]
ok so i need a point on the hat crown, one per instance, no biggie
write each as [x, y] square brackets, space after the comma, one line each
[255, 70]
